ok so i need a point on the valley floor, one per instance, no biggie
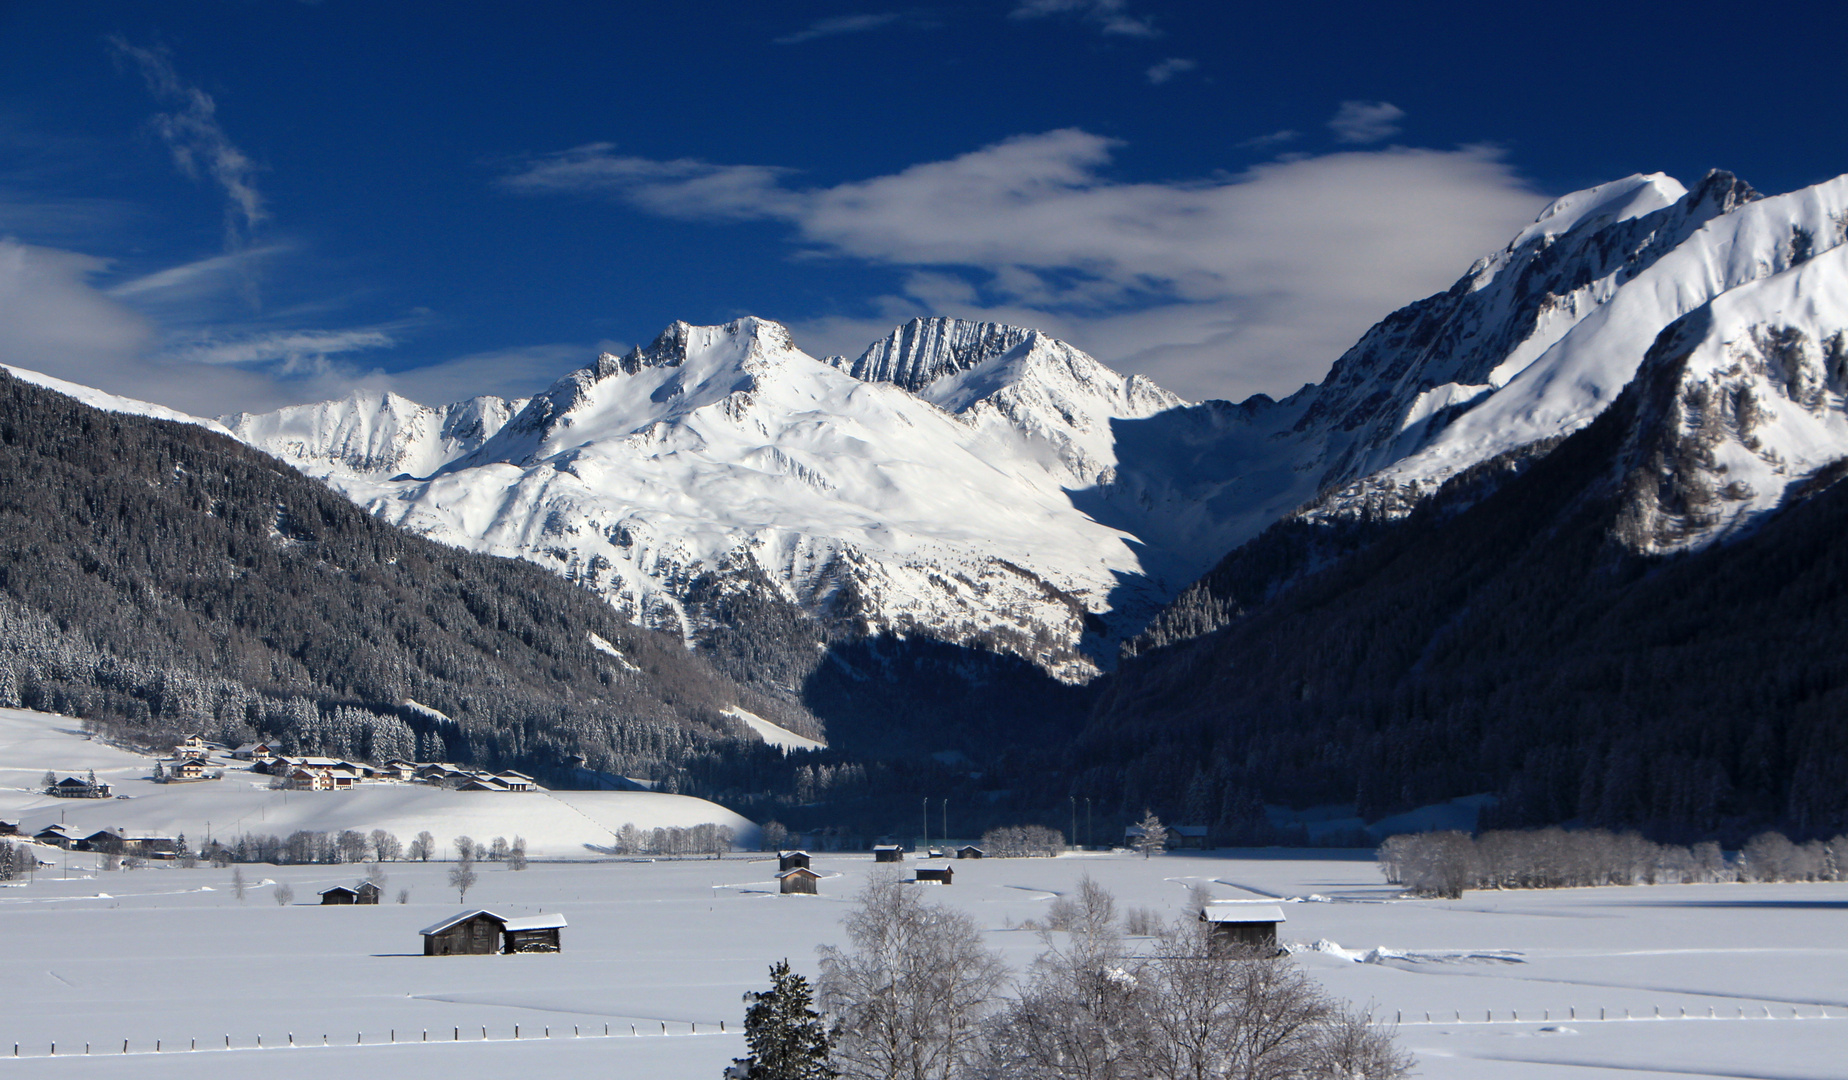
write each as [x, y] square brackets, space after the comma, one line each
[169, 954]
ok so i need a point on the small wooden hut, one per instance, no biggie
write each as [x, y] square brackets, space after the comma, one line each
[470, 933]
[888, 853]
[1243, 923]
[798, 879]
[532, 934]
[941, 875]
[340, 894]
[970, 851]
[789, 860]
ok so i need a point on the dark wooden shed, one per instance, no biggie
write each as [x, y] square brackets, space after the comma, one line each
[470, 933]
[1242, 923]
[367, 892]
[941, 875]
[970, 851]
[888, 853]
[789, 860]
[340, 894]
[799, 879]
[532, 934]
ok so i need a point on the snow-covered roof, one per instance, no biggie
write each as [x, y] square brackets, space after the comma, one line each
[438, 928]
[536, 922]
[338, 888]
[798, 870]
[1241, 911]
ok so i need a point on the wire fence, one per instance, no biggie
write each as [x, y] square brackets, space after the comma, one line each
[410, 1037]
[1603, 1015]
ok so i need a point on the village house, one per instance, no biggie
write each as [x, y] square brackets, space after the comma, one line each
[191, 746]
[398, 769]
[798, 879]
[9, 828]
[253, 751]
[1189, 836]
[941, 875]
[516, 781]
[72, 788]
[55, 836]
[1242, 923]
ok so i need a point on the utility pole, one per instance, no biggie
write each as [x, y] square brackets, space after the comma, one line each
[946, 823]
[1074, 820]
[926, 825]
[1090, 838]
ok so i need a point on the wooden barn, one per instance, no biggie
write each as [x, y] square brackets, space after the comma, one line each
[789, 860]
[470, 933]
[799, 879]
[532, 933]
[888, 853]
[970, 851]
[941, 875]
[1243, 923]
[481, 932]
[364, 893]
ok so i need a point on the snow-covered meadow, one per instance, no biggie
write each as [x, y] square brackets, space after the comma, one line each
[1514, 983]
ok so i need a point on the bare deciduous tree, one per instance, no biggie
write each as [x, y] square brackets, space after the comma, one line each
[516, 853]
[462, 876]
[237, 883]
[284, 895]
[910, 993]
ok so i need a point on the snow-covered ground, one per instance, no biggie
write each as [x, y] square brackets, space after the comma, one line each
[556, 825]
[775, 734]
[170, 954]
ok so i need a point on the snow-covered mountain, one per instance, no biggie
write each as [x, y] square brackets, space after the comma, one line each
[985, 483]
[942, 504]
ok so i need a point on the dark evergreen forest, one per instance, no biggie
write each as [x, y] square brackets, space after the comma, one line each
[1502, 639]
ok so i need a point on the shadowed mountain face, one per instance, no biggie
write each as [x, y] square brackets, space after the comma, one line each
[1519, 634]
[158, 573]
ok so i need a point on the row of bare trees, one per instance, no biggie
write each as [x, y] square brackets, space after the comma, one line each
[703, 839]
[1446, 863]
[916, 994]
[1023, 841]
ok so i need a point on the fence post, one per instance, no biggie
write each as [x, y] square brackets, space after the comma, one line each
[516, 1032]
[125, 1046]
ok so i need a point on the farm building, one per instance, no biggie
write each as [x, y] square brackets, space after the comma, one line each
[9, 828]
[888, 853]
[481, 932]
[789, 860]
[1189, 836]
[365, 893]
[798, 879]
[1240, 922]
[941, 875]
[474, 932]
[970, 851]
[55, 836]
[532, 933]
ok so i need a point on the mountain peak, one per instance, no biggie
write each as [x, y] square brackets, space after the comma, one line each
[923, 350]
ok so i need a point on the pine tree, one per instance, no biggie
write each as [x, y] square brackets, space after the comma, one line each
[786, 1036]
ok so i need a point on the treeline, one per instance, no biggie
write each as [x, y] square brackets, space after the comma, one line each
[702, 839]
[171, 579]
[1023, 841]
[1446, 863]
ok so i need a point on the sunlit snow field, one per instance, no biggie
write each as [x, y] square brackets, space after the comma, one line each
[170, 954]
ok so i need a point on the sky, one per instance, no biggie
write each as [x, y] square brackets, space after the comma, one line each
[225, 205]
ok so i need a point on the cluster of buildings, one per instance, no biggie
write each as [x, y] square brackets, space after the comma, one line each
[109, 842]
[301, 773]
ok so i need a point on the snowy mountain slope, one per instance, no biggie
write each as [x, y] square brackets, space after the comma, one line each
[375, 433]
[1717, 238]
[1742, 408]
[99, 399]
[725, 449]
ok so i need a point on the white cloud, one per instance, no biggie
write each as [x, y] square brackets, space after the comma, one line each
[1169, 68]
[1365, 121]
[196, 139]
[838, 24]
[1109, 16]
[1265, 142]
[1255, 282]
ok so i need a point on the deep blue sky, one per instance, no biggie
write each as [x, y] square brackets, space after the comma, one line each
[457, 198]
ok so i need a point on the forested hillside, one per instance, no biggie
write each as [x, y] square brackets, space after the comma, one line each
[162, 575]
[1511, 642]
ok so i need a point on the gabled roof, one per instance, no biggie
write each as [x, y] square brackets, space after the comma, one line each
[461, 918]
[797, 851]
[1241, 911]
[1189, 830]
[338, 888]
[887, 847]
[798, 870]
[536, 922]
